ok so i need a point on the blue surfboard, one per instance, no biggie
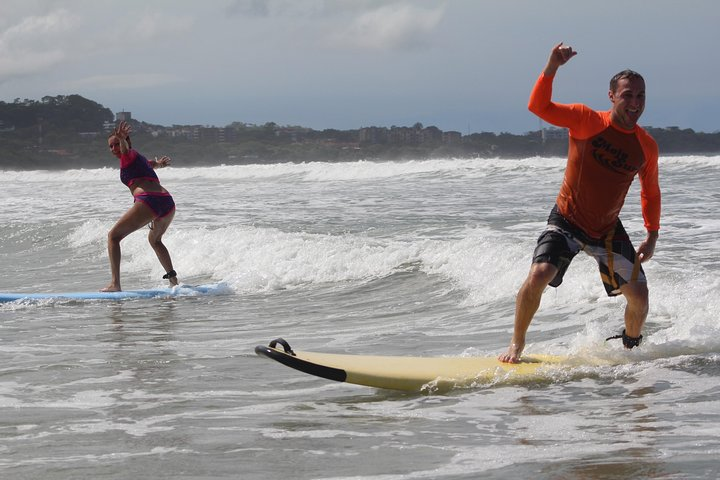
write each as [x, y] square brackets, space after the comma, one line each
[178, 291]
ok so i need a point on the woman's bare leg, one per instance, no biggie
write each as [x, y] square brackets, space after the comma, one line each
[134, 219]
[160, 226]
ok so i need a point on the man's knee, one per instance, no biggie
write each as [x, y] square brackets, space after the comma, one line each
[636, 294]
[541, 274]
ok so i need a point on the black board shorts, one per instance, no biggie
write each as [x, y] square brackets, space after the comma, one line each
[561, 241]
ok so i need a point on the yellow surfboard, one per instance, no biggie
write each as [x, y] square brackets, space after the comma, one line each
[415, 374]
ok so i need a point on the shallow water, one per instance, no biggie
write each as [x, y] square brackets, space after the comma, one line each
[401, 258]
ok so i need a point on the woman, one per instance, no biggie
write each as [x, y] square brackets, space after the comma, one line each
[153, 205]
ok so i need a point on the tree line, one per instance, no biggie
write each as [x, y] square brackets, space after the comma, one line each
[69, 131]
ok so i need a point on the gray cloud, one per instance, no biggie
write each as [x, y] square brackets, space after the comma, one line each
[460, 64]
[135, 80]
[30, 45]
[399, 25]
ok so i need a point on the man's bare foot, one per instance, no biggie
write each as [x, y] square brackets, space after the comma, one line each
[173, 281]
[513, 354]
[111, 288]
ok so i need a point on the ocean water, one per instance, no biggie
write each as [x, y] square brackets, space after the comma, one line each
[393, 258]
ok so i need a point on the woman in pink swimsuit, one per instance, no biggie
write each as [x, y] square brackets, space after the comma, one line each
[153, 205]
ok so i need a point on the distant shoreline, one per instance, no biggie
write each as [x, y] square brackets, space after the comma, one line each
[70, 132]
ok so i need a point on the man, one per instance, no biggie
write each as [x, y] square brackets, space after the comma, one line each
[606, 150]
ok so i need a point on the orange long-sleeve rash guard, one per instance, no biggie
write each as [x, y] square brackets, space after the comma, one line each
[602, 162]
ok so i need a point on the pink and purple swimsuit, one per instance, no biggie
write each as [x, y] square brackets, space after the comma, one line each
[134, 167]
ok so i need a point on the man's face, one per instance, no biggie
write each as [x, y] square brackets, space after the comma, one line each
[628, 102]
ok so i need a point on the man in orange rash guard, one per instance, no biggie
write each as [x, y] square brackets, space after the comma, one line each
[606, 150]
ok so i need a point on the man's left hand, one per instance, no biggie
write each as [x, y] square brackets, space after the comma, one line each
[647, 248]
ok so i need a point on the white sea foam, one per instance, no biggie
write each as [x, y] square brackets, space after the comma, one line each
[306, 171]
[387, 258]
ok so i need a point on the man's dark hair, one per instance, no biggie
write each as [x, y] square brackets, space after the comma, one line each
[629, 74]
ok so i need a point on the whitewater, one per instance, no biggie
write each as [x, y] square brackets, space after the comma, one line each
[383, 258]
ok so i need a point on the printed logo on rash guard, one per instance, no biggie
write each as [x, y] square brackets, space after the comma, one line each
[611, 157]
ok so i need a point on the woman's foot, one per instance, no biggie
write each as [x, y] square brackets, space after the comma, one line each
[171, 277]
[111, 288]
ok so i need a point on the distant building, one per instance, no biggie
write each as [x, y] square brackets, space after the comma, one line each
[430, 135]
[210, 135]
[123, 116]
[373, 135]
[407, 136]
[294, 134]
[404, 136]
[452, 137]
[88, 134]
[554, 133]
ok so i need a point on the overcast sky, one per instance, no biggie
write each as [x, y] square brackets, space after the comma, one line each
[465, 65]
